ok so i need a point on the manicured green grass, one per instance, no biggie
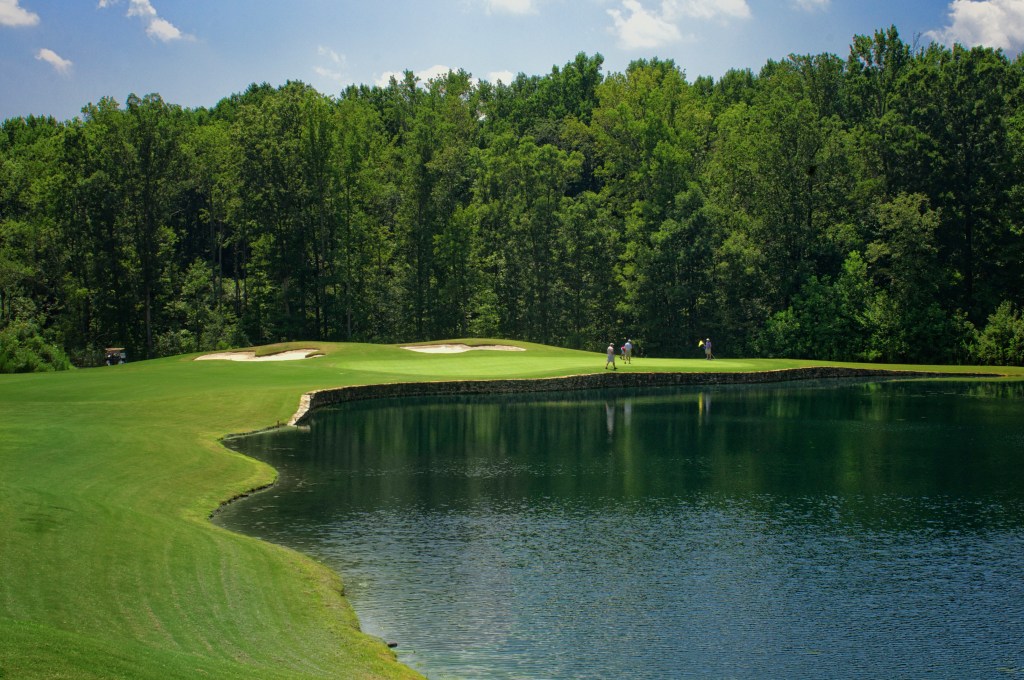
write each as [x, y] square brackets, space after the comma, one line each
[109, 566]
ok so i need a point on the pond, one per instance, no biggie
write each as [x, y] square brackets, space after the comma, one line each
[800, 530]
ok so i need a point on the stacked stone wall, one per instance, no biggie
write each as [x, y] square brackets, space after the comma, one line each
[312, 401]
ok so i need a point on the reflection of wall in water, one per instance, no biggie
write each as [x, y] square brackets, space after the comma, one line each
[845, 439]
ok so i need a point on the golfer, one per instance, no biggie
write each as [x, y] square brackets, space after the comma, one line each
[707, 349]
[611, 357]
[628, 356]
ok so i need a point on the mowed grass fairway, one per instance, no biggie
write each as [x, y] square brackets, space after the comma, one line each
[109, 565]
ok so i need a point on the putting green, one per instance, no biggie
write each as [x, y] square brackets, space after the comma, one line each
[109, 566]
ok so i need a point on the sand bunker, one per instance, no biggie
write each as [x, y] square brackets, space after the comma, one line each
[454, 349]
[290, 355]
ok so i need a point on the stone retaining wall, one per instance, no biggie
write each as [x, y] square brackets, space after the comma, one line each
[591, 381]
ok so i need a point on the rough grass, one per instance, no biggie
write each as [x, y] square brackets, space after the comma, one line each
[109, 567]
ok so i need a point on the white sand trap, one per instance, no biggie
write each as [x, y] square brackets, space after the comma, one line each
[455, 349]
[290, 355]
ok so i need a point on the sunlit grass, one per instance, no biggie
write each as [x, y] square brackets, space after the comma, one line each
[109, 566]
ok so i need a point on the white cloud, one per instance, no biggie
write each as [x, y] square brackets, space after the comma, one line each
[425, 75]
[337, 61]
[331, 54]
[674, 10]
[327, 73]
[61, 65]
[506, 77]
[433, 72]
[812, 5]
[993, 23]
[163, 30]
[641, 28]
[385, 78]
[510, 6]
[156, 26]
[12, 14]
[141, 8]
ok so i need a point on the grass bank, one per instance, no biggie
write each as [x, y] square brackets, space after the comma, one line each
[109, 566]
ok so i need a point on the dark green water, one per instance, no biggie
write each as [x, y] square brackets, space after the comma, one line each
[840, 530]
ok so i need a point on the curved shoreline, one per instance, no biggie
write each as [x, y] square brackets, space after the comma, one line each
[317, 399]
[311, 401]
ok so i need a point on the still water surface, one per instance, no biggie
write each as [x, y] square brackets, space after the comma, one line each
[803, 530]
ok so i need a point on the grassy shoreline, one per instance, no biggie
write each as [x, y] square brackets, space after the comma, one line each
[108, 476]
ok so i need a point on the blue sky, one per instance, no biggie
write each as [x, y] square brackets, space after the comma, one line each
[58, 55]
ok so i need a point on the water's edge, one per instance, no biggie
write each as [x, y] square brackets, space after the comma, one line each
[316, 399]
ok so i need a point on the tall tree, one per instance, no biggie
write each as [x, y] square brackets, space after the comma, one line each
[274, 194]
[906, 318]
[155, 130]
[950, 124]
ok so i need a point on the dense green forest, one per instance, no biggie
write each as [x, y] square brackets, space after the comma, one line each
[866, 208]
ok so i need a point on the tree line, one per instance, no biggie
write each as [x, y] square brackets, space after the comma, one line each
[866, 208]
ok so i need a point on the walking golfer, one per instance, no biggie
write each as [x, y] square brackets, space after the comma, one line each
[611, 357]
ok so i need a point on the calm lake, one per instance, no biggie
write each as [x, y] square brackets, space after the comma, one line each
[800, 530]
